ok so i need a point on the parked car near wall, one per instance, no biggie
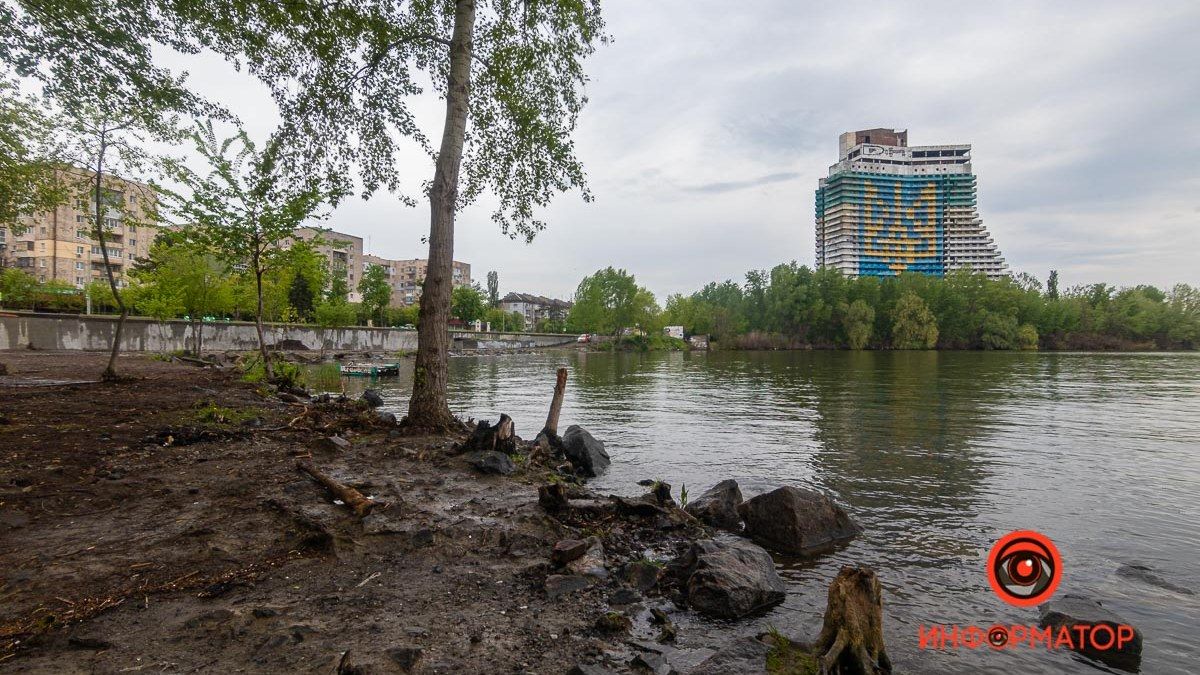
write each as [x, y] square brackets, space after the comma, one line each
[583, 338]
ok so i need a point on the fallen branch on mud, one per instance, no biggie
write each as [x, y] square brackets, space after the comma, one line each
[349, 496]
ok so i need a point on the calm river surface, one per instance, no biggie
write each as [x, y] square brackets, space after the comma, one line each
[936, 454]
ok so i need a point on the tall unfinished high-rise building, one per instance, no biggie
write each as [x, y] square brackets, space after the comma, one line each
[887, 208]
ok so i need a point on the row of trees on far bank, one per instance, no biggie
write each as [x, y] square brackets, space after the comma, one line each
[793, 306]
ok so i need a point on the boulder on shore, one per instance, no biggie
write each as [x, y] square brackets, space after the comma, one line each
[796, 521]
[585, 453]
[1069, 610]
[728, 580]
[490, 461]
[372, 398]
[744, 656]
[718, 506]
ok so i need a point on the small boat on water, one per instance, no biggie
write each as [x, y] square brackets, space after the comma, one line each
[370, 369]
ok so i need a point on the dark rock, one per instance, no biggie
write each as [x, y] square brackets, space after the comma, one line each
[624, 596]
[385, 417]
[586, 454]
[729, 580]
[1147, 575]
[718, 506]
[646, 482]
[660, 494]
[264, 612]
[743, 656]
[372, 398]
[1073, 610]
[561, 584]
[641, 574]
[287, 397]
[567, 550]
[405, 656]
[593, 562]
[796, 521]
[416, 631]
[490, 461]
[650, 662]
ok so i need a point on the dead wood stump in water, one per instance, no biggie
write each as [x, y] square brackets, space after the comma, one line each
[851, 639]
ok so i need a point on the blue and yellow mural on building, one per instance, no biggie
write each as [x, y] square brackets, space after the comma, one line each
[893, 224]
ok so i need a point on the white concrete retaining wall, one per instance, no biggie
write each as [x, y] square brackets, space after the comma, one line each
[20, 330]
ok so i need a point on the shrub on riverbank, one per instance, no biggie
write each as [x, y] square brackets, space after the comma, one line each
[794, 307]
[644, 343]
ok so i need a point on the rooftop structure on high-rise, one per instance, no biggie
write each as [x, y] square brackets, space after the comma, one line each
[887, 208]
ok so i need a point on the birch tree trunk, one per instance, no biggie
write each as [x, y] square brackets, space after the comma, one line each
[428, 407]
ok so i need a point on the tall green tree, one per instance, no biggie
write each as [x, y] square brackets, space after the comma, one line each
[915, 326]
[1052, 285]
[610, 301]
[376, 292]
[858, 320]
[469, 304]
[244, 206]
[343, 75]
[493, 288]
[29, 157]
[183, 276]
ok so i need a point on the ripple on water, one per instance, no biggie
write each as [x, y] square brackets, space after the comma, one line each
[937, 454]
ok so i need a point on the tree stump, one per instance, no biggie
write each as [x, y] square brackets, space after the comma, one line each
[851, 639]
[501, 437]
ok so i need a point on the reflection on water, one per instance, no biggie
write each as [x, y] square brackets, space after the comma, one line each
[936, 454]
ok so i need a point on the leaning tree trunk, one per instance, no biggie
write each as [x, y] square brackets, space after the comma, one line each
[851, 639]
[110, 371]
[428, 408]
[258, 321]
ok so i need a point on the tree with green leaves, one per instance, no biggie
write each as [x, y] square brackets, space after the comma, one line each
[493, 288]
[344, 74]
[301, 297]
[1052, 285]
[244, 206]
[16, 286]
[376, 292]
[915, 326]
[29, 157]
[609, 302]
[468, 304]
[332, 314]
[183, 276]
[858, 320]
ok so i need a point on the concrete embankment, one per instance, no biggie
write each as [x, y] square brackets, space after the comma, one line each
[73, 332]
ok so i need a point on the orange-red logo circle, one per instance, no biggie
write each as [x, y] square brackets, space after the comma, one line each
[1024, 568]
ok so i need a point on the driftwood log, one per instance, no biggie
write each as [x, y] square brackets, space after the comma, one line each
[560, 389]
[352, 498]
[851, 639]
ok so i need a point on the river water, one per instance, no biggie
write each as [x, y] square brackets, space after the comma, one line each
[936, 454]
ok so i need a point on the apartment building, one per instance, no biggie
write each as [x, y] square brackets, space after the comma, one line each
[57, 245]
[887, 208]
[343, 251]
[407, 276]
[535, 307]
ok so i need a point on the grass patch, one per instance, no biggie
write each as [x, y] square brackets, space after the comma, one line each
[786, 658]
[210, 413]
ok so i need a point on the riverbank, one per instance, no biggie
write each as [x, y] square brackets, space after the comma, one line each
[161, 523]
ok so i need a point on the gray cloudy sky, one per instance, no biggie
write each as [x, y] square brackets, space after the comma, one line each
[710, 123]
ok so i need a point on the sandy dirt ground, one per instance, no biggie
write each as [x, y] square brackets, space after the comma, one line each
[160, 524]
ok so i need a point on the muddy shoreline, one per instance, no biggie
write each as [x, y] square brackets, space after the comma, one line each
[160, 524]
